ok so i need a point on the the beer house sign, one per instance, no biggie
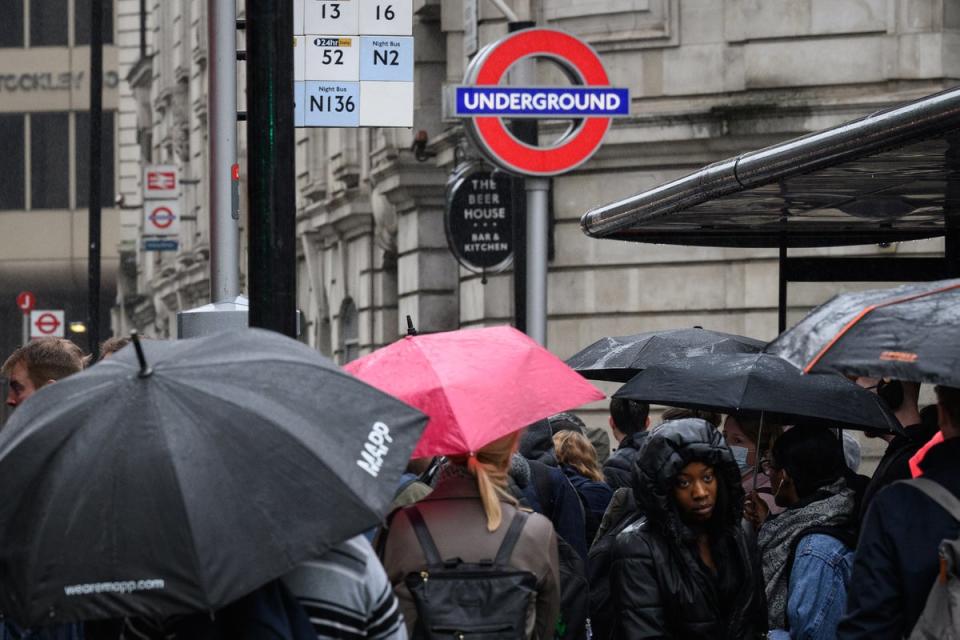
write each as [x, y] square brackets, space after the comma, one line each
[479, 220]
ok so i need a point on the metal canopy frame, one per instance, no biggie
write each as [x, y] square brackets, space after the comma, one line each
[888, 177]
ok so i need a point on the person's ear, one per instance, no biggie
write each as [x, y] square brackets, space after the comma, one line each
[646, 423]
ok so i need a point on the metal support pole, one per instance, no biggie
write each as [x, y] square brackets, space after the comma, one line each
[222, 110]
[782, 289]
[538, 190]
[272, 251]
[95, 172]
[25, 330]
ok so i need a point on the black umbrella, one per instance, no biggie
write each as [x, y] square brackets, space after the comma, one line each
[620, 358]
[907, 333]
[761, 383]
[188, 482]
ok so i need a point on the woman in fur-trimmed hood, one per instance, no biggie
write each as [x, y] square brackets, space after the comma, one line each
[688, 570]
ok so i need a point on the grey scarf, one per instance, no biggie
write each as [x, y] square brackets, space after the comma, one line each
[777, 538]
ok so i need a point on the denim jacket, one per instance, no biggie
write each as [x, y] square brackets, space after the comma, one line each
[818, 589]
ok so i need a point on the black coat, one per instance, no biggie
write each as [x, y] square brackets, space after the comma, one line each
[895, 463]
[897, 557]
[660, 587]
[618, 469]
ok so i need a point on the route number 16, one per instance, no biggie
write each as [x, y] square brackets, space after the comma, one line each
[385, 13]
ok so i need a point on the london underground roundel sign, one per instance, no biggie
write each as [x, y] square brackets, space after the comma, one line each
[590, 102]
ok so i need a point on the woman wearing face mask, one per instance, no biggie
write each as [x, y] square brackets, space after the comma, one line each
[741, 431]
[807, 551]
[687, 571]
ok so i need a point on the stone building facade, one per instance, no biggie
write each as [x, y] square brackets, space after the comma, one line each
[708, 79]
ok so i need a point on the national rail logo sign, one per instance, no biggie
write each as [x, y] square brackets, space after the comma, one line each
[590, 102]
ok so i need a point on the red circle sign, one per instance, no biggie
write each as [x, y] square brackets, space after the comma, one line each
[26, 301]
[570, 52]
[47, 324]
[162, 217]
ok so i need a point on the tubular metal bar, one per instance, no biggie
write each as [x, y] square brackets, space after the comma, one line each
[224, 221]
[877, 132]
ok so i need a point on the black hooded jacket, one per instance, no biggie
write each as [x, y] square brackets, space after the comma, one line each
[660, 587]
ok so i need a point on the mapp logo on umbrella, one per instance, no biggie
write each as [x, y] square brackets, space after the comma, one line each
[375, 448]
[125, 586]
[899, 356]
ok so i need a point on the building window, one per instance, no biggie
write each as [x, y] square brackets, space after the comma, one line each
[49, 161]
[82, 160]
[81, 21]
[349, 332]
[11, 23]
[48, 23]
[12, 189]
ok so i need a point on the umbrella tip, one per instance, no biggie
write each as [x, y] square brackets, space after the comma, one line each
[145, 370]
[411, 330]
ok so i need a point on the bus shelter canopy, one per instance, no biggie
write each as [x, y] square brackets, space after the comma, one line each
[890, 176]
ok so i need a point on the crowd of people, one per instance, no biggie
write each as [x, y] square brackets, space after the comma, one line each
[693, 526]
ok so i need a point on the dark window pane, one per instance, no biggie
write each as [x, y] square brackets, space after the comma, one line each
[12, 187]
[48, 23]
[11, 23]
[81, 33]
[49, 163]
[83, 160]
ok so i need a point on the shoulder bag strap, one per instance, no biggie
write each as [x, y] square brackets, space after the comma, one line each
[938, 493]
[510, 540]
[430, 550]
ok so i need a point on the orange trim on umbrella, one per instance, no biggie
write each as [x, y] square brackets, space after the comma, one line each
[862, 314]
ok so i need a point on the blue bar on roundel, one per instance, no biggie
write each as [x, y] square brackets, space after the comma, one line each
[534, 102]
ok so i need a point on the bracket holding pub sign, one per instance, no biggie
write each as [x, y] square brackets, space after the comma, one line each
[353, 63]
[590, 102]
[479, 217]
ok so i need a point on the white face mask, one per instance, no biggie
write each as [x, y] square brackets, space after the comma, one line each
[740, 455]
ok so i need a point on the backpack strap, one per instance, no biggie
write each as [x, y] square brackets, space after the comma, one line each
[427, 544]
[510, 540]
[938, 493]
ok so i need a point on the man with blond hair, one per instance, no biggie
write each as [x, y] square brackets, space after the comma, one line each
[38, 364]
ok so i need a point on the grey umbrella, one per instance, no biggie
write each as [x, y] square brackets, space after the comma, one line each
[186, 482]
[910, 332]
[619, 358]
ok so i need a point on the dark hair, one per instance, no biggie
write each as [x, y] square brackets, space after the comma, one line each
[891, 392]
[112, 345]
[629, 416]
[679, 413]
[812, 455]
[47, 359]
[949, 399]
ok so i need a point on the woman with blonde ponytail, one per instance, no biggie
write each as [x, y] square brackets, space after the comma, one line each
[468, 515]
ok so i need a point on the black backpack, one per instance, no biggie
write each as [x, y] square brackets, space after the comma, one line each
[487, 600]
[574, 586]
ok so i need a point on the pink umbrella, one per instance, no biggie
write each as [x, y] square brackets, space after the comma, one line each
[477, 385]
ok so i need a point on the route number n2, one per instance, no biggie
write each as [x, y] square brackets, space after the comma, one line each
[387, 12]
[390, 58]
